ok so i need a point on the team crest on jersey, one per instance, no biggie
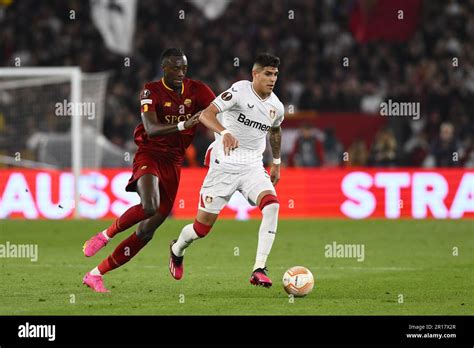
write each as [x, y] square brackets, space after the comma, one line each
[146, 93]
[208, 199]
[187, 102]
[272, 114]
[226, 96]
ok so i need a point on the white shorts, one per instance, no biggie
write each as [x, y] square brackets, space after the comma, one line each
[218, 187]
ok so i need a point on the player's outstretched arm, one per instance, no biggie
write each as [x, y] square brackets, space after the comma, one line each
[275, 143]
[153, 128]
[209, 119]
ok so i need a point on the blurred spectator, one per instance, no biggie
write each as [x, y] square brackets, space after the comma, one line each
[470, 159]
[307, 150]
[446, 151]
[384, 149]
[416, 149]
[357, 154]
[311, 98]
[468, 146]
[333, 149]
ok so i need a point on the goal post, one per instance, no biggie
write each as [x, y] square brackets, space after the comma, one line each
[33, 96]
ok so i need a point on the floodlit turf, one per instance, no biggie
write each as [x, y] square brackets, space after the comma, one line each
[413, 259]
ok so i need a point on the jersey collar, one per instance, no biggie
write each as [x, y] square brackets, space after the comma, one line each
[251, 86]
[171, 89]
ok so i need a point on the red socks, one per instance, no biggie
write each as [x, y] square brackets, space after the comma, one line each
[131, 217]
[201, 229]
[122, 254]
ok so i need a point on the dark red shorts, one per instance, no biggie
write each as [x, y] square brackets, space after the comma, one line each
[167, 171]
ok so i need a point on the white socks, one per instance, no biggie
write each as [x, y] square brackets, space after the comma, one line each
[266, 234]
[95, 271]
[187, 236]
[104, 233]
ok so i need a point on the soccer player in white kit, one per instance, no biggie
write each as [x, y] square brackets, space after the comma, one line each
[247, 112]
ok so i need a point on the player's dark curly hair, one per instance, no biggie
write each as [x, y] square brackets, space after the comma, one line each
[267, 59]
[171, 52]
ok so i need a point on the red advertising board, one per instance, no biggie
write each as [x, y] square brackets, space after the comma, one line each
[303, 193]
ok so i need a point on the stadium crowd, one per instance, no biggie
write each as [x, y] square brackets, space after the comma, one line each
[310, 46]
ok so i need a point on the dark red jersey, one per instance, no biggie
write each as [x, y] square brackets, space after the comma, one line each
[171, 108]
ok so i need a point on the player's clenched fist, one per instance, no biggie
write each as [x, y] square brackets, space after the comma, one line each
[230, 143]
[192, 121]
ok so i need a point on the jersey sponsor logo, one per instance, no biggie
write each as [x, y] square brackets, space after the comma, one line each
[146, 93]
[226, 96]
[188, 102]
[172, 119]
[233, 89]
[254, 124]
[250, 106]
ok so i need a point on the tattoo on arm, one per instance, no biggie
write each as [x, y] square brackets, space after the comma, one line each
[275, 141]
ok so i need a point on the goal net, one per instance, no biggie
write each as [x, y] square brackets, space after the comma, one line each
[52, 118]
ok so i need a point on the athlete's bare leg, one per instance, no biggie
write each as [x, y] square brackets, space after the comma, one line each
[149, 191]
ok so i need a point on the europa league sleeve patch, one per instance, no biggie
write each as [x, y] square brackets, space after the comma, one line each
[226, 96]
[147, 104]
[145, 93]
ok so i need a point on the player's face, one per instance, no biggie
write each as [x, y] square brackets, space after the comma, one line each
[175, 70]
[266, 78]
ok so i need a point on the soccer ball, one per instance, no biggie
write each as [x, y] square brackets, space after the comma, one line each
[298, 281]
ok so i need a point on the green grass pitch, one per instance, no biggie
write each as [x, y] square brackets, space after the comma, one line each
[411, 258]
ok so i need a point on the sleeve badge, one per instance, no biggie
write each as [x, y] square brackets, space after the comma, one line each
[226, 96]
[145, 93]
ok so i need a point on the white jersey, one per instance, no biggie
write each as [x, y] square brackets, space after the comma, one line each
[249, 118]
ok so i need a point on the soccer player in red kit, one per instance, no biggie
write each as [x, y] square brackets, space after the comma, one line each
[170, 111]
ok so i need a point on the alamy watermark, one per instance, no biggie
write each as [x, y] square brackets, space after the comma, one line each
[37, 331]
[75, 109]
[394, 108]
[347, 251]
[26, 251]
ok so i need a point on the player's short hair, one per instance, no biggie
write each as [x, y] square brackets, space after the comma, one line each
[266, 59]
[171, 52]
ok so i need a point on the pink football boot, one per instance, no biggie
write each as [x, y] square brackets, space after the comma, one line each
[93, 245]
[95, 282]
[259, 277]
[176, 264]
